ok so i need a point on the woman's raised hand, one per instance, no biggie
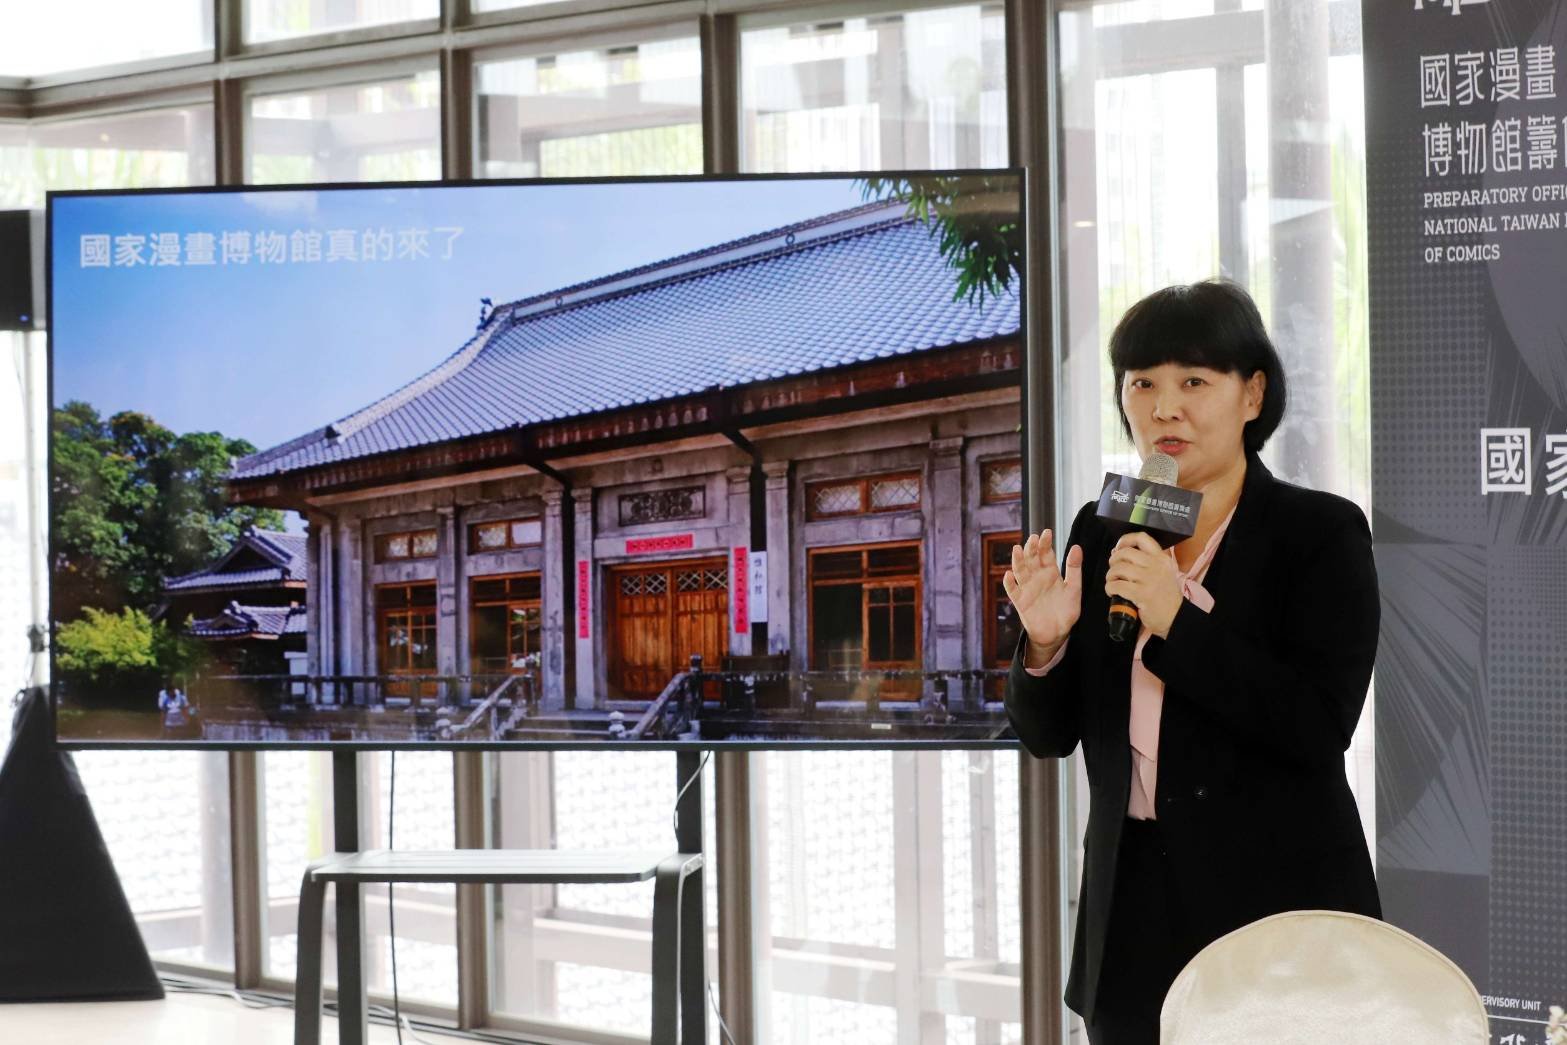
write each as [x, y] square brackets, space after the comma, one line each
[1047, 603]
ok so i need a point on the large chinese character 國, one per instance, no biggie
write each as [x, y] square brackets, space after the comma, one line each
[95, 251]
[1504, 456]
[1435, 80]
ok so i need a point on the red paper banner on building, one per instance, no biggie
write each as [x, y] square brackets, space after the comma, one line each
[740, 590]
[669, 542]
[584, 609]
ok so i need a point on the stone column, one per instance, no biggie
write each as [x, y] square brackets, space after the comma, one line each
[346, 628]
[589, 671]
[318, 603]
[739, 533]
[448, 578]
[345, 582]
[780, 556]
[555, 625]
[944, 548]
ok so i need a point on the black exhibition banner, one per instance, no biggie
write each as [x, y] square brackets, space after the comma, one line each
[1466, 126]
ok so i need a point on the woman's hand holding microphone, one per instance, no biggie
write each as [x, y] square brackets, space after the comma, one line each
[1047, 603]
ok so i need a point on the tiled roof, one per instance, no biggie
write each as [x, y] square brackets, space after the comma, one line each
[844, 289]
[238, 621]
[284, 552]
[237, 579]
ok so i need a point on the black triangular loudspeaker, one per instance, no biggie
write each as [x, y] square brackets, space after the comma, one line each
[66, 929]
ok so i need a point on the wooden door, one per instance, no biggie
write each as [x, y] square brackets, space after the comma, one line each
[661, 613]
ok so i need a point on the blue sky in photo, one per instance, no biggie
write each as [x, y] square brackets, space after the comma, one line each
[269, 351]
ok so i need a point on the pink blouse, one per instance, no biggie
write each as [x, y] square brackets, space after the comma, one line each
[1148, 689]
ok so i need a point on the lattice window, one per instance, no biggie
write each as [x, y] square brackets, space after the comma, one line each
[489, 536]
[657, 583]
[895, 493]
[1001, 480]
[715, 580]
[413, 544]
[688, 580]
[631, 583]
[527, 531]
[836, 500]
[881, 493]
[505, 533]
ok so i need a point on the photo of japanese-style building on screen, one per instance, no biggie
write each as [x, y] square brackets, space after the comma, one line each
[758, 492]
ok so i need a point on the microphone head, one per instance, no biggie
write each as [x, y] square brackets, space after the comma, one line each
[1160, 468]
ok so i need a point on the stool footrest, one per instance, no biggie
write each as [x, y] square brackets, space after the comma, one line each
[679, 980]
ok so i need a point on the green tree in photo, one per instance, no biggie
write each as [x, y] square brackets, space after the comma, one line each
[977, 219]
[125, 650]
[135, 503]
[99, 645]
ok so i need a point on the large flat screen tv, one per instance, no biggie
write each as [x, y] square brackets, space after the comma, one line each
[680, 461]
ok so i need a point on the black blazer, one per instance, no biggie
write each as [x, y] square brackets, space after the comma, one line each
[1260, 700]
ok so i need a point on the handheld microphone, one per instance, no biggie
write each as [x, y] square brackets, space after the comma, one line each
[1151, 503]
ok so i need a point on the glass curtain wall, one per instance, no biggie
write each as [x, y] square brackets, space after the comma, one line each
[893, 917]
[177, 882]
[1218, 137]
[383, 128]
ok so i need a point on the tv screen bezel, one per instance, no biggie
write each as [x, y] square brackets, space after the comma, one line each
[1026, 451]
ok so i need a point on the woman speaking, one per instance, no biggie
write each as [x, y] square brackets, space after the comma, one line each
[1214, 743]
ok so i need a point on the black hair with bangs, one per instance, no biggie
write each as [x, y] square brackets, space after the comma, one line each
[1212, 323]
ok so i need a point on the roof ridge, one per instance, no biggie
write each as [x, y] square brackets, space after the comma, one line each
[280, 558]
[283, 449]
[263, 542]
[452, 364]
[691, 255]
[720, 266]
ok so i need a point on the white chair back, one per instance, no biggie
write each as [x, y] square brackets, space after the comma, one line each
[1315, 977]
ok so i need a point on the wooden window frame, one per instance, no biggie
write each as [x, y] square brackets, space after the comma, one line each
[984, 493]
[473, 539]
[474, 604]
[382, 613]
[865, 580]
[383, 539]
[864, 483]
[992, 577]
